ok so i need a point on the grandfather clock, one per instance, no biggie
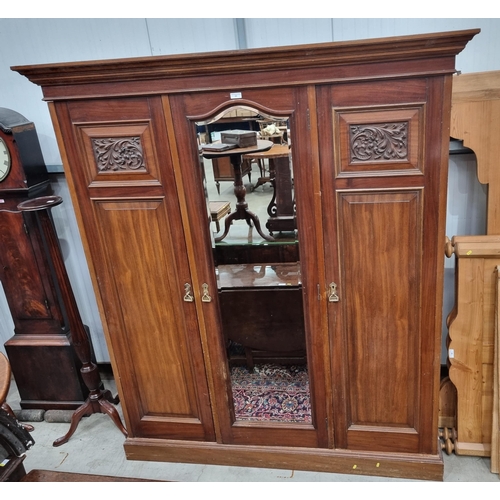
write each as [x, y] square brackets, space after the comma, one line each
[41, 355]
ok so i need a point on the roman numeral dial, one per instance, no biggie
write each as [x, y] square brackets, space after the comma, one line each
[4, 160]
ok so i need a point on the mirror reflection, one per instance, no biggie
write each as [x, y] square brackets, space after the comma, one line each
[251, 205]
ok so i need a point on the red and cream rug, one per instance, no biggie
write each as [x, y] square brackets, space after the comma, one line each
[271, 393]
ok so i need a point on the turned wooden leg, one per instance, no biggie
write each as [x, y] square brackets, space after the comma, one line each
[78, 414]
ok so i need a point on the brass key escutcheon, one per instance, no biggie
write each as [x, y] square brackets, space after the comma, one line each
[188, 297]
[205, 296]
[332, 294]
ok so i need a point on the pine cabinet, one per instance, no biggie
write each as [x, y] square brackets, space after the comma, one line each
[369, 131]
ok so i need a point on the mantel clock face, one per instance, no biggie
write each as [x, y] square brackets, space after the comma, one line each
[5, 160]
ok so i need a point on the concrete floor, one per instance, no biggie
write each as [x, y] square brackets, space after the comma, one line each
[97, 448]
[97, 445]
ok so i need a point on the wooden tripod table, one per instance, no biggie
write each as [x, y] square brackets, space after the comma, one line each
[241, 211]
[98, 401]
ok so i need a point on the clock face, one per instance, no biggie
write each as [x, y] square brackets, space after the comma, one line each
[4, 160]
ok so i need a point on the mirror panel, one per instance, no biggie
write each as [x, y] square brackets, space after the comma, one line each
[257, 265]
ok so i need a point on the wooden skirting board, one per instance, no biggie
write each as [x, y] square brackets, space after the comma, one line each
[403, 465]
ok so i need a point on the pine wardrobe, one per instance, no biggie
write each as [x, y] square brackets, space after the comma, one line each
[369, 132]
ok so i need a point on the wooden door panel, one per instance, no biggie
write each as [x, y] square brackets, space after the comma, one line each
[281, 102]
[382, 202]
[379, 237]
[150, 333]
[132, 230]
[133, 226]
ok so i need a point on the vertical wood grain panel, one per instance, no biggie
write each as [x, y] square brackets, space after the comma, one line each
[471, 341]
[495, 428]
[132, 231]
[466, 334]
[379, 238]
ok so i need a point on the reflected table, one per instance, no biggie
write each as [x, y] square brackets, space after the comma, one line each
[241, 211]
[281, 208]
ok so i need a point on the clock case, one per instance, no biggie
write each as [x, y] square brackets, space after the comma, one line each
[41, 354]
[22, 141]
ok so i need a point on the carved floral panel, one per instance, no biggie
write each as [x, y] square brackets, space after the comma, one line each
[386, 140]
[121, 154]
[118, 154]
[380, 141]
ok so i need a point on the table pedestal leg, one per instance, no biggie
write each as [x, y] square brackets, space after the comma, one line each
[241, 211]
[98, 402]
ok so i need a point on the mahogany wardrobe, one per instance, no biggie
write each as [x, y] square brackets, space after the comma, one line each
[368, 125]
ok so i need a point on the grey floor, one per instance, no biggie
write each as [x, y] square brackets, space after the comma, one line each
[97, 448]
[97, 445]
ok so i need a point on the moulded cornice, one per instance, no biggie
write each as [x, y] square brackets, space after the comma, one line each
[250, 60]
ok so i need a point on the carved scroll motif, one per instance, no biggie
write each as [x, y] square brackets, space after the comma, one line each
[371, 142]
[118, 153]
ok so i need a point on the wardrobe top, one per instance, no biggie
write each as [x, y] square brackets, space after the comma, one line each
[306, 63]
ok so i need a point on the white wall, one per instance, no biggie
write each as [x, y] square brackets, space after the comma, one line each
[466, 215]
[57, 40]
[61, 40]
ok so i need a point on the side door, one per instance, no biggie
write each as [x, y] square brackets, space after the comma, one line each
[382, 192]
[119, 166]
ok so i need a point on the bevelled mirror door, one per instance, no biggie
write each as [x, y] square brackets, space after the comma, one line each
[251, 201]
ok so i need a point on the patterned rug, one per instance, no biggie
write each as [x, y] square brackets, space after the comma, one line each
[271, 393]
